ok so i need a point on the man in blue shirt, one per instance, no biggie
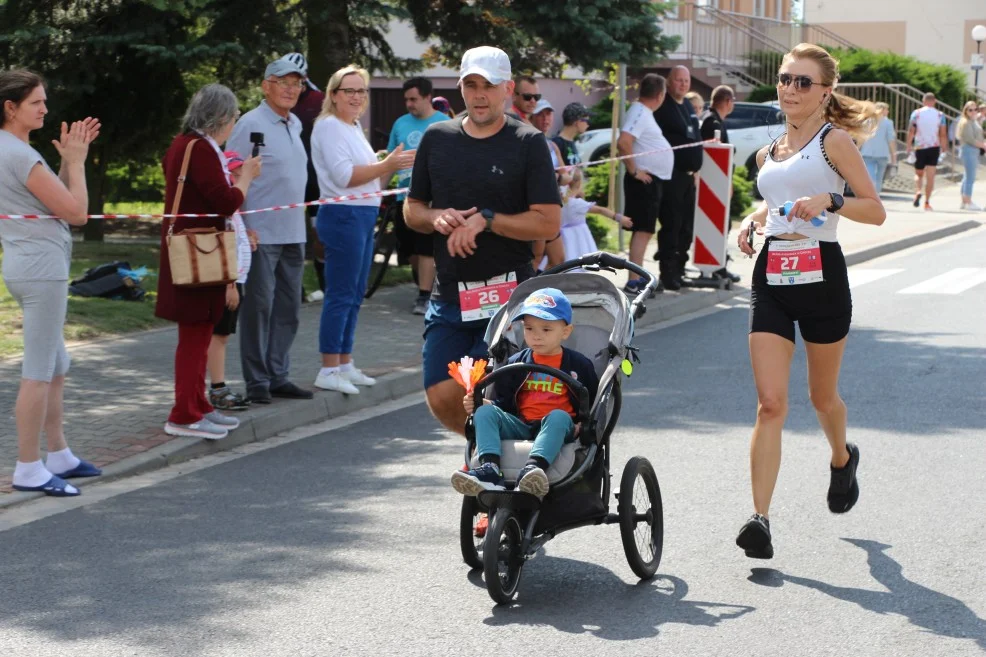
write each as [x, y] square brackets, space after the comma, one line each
[408, 130]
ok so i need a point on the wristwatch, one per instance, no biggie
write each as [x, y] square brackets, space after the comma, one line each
[837, 202]
[488, 216]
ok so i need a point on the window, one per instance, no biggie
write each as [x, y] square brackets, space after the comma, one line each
[779, 9]
[759, 8]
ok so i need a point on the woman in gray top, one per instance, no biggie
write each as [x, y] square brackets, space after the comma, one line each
[36, 254]
[969, 133]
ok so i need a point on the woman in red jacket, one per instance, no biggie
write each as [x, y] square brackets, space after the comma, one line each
[208, 122]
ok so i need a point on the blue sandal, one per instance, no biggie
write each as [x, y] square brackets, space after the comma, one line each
[84, 469]
[56, 487]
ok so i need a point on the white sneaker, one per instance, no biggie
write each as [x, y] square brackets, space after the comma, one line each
[357, 378]
[224, 421]
[971, 206]
[336, 381]
[201, 429]
[317, 295]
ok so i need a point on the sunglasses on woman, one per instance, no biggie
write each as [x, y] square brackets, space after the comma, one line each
[801, 82]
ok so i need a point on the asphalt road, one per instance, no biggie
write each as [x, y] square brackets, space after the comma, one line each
[345, 542]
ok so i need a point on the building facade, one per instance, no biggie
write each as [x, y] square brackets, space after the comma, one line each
[938, 32]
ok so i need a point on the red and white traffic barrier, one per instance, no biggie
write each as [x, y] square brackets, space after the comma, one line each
[715, 190]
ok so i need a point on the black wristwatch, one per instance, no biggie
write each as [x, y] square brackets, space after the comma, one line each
[837, 202]
[488, 216]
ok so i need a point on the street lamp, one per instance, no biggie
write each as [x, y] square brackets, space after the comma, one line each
[978, 35]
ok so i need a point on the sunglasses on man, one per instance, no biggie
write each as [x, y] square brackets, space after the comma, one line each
[801, 82]
[530, 97]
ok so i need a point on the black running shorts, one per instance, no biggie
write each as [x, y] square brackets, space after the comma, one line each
[642, 202]
[822, 310]
[926, 157]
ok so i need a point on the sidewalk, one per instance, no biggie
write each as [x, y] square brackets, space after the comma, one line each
[119, 390]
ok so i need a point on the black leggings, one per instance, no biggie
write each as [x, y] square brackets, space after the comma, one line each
[822, 310]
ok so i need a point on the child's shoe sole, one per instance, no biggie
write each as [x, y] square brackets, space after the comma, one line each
[470, 486]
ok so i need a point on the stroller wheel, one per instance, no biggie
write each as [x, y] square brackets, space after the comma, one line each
[641, 517]
[502, 557]
[471, 544]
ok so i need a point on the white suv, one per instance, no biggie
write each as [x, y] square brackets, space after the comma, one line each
[751, 126]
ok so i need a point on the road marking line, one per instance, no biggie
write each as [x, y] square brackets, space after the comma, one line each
[955, 281]
[859, 277]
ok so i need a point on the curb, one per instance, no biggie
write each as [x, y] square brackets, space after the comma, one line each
[283, 417]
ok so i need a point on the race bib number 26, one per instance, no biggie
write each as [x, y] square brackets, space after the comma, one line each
[481, 299]
[794, 262]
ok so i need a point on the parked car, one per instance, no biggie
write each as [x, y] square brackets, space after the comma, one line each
[751, 126]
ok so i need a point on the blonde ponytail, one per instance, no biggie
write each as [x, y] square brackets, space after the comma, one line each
[859, 118]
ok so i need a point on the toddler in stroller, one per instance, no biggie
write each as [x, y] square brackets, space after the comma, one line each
[531, 405]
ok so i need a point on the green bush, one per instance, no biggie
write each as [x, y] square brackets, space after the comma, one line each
[742, 199]
[600, 227]
[762, 94]
[946, 82]
[596, 184]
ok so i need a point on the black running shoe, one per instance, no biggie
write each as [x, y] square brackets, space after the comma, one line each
[843, 488]
[917, 201]
[754, 538]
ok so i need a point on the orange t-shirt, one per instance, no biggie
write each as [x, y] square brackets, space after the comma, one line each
[542, 393]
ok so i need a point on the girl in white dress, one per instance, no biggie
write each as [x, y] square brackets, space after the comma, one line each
[575, 233]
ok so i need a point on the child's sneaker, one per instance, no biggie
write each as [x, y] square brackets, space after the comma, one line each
[532, 480]
[473, 482]
[226, 400]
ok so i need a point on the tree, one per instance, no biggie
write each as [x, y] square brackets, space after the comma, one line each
[546, 36]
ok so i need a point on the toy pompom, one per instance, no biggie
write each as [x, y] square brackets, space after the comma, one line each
[467, 372]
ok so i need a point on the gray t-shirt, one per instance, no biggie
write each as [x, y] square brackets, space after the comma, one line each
[33, 249]
[282, 179]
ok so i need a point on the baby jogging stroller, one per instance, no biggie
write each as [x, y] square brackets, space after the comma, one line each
[519, 523]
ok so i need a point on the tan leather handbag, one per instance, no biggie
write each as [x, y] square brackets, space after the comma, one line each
[199, 257]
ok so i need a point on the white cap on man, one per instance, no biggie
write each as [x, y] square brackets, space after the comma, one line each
[542, 105]
[487, 61]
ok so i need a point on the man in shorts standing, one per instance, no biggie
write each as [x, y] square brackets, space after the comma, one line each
[646, 174]
[483, 186]
[925, 137]
[408, 130]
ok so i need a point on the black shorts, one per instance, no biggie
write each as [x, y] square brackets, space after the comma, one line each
[641, 202]
[409, 242]
[926, 157]
[822, 310]
[227, 323]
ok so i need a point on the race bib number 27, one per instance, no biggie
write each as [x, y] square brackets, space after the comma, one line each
[481, 299]
[794, 262]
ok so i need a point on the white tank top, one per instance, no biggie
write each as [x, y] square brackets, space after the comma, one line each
[806, 173]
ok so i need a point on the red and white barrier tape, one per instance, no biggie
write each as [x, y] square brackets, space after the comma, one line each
[337, 199]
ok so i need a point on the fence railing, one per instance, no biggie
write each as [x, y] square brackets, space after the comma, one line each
[748, 47]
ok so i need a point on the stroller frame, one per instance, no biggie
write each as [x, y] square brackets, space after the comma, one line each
[520, 524]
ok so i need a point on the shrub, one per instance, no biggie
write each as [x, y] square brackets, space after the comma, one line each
[946, 82]
[762, 94]
[600, 227]
[742, 199]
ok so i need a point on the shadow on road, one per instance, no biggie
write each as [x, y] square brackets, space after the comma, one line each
[696, 377]
[578, 597]
[159, 565]
[924, 607]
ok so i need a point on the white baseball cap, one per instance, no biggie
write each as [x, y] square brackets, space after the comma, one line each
[542, 105]
[492, 63]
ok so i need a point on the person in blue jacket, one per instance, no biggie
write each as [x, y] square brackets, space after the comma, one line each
[530, 405]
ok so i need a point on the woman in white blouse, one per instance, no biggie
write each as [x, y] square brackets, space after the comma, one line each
[346, 164]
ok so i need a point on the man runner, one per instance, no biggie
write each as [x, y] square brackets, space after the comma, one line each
[483, 186]
[926, 136]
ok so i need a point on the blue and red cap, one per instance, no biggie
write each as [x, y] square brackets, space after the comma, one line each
[547, 303]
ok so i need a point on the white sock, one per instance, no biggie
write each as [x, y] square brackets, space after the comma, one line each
[31, 474]
[347, 367]
[326, 371]
[61, 461]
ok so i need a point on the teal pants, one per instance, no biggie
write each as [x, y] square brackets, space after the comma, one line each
[494, 424]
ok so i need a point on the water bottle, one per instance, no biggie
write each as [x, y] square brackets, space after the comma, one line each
[786, 208]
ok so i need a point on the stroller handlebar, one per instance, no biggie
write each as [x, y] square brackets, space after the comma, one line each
[581, 392]
[602, 259]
